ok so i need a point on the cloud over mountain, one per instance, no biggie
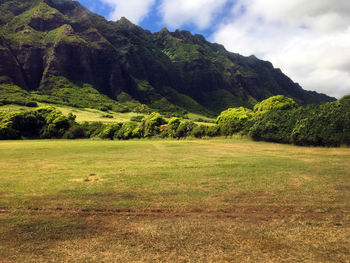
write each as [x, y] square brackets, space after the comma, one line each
[134, 10]
[309, 40]
[200, 13]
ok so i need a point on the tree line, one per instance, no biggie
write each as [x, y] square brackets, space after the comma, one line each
[281, 119]
[277, 119]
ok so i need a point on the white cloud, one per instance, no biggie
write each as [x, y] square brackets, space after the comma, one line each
[308, 39]
[200, 13]
[134, 10]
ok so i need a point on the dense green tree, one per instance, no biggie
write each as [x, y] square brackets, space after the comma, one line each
[278, 102]
[126, 131]
[44, 122]
[213, 131]
[109, 131]
[173, 124]
[185, 128]
[234, 120]
[326, 124]
[199, 131]
[275, 126]
[151, 124]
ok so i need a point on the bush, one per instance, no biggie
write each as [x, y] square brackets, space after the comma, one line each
[56, 123]
[44, 122]
[137, 118]
[275, 126]
[235, 120]
[173, 124]
[109, 131]
[184, 129]
[326, 125]
[127, 131]
[142, 108]
[278, 102]
[213, 131]
[151, 124]
[199, 131]
[92, 129]
[75, 132]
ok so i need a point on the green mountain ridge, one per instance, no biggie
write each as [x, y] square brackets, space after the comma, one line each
[59, 51]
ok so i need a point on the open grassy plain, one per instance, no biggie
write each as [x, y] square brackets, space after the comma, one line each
[222, 200]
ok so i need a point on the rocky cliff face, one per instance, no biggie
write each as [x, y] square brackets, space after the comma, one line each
[43, 41]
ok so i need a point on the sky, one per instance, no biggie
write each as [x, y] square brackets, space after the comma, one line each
[309, 40]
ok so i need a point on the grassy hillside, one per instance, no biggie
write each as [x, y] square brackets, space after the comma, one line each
[95, 115]
[188, 200]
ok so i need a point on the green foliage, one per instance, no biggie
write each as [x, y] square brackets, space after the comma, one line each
[199, 131]
[127, 131]
[44, 122]
[171, 72]
[142, 108]
[326, 124]
[213, 131]
[109, 131]
[59, 90]
[182, 103]
[151, 124]
[185, 128]
[219, 100]
[56, 123]
[164, 106]
[93, 129]
[234, 120]
[75, 132]
[278, 102]
[12, 94]
[173, 124]
[275, 126]
[137, 118]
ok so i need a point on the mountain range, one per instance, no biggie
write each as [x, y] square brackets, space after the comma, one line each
[59, 49]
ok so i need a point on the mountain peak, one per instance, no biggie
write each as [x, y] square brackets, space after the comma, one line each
[124, 21]
[60, 44]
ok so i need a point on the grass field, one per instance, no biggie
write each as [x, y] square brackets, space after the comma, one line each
[221, 200]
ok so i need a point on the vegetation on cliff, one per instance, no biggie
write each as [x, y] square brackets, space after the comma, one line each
[60, 52]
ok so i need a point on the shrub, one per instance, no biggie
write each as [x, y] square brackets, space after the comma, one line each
[152, 123]
[109, 131]
[275, 126]
[126, 131]
[137, 118]
[44, 122]
[56, 123]
[184, 129]
[213, 131]
[199, 131]
[92, 129]
[75, 132]
[278, 102]
[327, 125]
[142, 108]
[173, 124]
[234, 120]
